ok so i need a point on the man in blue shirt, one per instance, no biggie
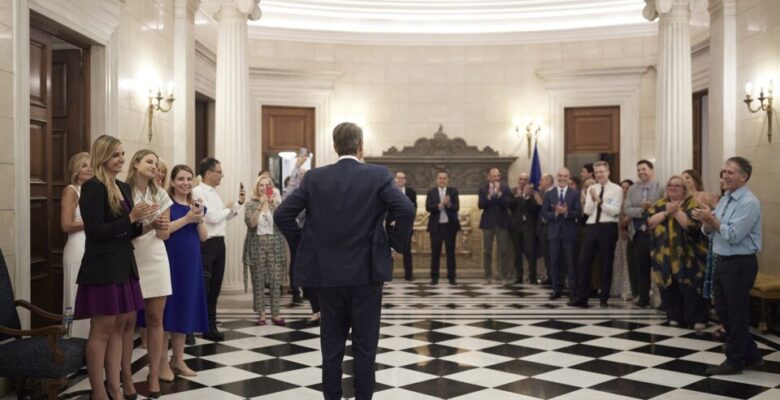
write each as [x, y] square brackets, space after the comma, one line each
[735, 229]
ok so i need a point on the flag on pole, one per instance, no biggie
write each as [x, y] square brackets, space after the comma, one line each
[536, 168]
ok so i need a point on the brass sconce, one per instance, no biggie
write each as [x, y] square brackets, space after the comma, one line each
[158, 105]
[764, 104]
[532, 128]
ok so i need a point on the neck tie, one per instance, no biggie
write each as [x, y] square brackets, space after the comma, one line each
[726, 207]
[561, 199]
[598, 209]
[644, 193]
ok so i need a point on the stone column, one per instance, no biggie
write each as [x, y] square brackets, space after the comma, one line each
[232, 124]
[674, 108]
[184, 78]
[724, 96]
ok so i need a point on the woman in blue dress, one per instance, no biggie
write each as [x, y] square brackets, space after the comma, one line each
[185, 310]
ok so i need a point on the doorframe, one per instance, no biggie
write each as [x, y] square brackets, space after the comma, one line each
[99, 26]
[619, 86]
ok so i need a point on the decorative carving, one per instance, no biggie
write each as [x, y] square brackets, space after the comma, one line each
[466, 164]
[421, 242]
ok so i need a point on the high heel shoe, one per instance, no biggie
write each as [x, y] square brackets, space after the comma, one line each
[152, 395]
[186, 371]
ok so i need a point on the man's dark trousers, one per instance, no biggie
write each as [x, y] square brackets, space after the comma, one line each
[733, 278]
[600, 239]
[213, 254]
[407, 254]
[443, 234]
[342, 308]
[642, 258]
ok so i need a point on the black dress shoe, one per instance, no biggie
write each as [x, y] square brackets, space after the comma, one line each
[434, 281]
[643, 304]
[726, 368]
[754, 364]
[554, 296]
[189, 340]
[453, 281]
[312, 322]
[214, 334]
[603, 303]
[579, 304]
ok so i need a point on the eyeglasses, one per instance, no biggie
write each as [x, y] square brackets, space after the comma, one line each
[673, 186]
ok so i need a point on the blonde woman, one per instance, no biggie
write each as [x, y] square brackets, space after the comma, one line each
[153, 269]
[70, 220]
[108, 292]
[678, 255]
[161, 179]
[264, 250]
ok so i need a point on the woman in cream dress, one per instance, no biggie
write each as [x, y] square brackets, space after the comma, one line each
[70, 220]
[153, 269]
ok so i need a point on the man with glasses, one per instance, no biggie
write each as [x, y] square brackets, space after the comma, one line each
[213, 249]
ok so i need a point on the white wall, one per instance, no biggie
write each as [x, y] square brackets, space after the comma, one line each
[401, 93]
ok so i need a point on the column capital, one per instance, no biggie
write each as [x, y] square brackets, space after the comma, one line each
[250, 9]
[186, 8]
[720, 8]
[658, 8]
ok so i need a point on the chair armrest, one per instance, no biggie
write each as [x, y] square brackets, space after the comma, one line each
[52, 332]
[38, 310]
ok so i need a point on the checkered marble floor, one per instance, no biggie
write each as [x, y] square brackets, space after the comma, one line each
[475, 341]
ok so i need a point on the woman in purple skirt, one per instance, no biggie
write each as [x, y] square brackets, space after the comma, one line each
[108, 291]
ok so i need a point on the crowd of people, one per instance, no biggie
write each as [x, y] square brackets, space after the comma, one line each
[149, 251]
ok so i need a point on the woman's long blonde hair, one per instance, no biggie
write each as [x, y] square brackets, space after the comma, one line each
[132, 171]
[74, 166]
[256, 192]
[162, 165]
[102, 149]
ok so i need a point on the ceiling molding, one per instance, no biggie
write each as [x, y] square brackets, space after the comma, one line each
[96, 20]
[429, 39]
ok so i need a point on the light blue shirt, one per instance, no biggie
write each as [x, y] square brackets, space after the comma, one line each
[739, 213]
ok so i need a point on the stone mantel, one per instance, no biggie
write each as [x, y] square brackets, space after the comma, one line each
[467, 165]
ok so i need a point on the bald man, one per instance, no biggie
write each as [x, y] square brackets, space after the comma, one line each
[522, 227]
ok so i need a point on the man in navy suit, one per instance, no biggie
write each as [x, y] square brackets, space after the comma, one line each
[443, 204]
[494, 201]
[400, 181]
[344, 252]
[561, 209]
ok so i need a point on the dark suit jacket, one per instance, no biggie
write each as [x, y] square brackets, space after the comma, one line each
[432, 205]
[344, 241]
[108, 253]
[412, 196]
[563, 226]
[495, 214]
[520, 208]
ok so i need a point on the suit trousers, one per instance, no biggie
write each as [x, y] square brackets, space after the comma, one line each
[544, 245]
[443, 233]
[502, 246]
[731, 283]
[562, 264]
[213, 253]
[600, 239]
[359, 308]
[407, 255]
[643, 245]
[524, 242]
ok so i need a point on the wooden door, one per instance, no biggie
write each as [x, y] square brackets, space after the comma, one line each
[286, 129]
[58, 129]
[699, 103]
[203, 147]
[593, 132]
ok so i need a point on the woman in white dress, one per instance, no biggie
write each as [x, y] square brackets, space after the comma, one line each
[153, 270]
[70, 220]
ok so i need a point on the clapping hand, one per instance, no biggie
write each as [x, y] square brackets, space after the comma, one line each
[142, 211]
[594, 195]
[704, 214]
[646, 205]
[162, 223]
[446, 202]
[561, 209]
[672, 208]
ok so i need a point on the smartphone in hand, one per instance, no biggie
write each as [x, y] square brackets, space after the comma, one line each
[269, 191]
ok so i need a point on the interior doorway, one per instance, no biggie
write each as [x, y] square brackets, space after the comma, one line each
[286, 131]
[59, 128]
[592, 134]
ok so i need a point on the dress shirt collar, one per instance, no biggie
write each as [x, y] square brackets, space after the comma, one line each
[349, 157]
[207, 186]
[737, 194]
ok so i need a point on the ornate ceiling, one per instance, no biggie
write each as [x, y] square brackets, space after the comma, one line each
[450, 21]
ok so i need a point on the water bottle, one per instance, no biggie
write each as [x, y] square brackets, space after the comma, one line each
[67, 320]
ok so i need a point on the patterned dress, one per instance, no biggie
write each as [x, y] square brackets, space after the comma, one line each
[265, 258]
[677, 253]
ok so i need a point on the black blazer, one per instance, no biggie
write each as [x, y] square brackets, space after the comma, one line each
[520, 208]
[495, 214]
[108, 255]
[412, 196]
[432, 205]
[344, 241]
[563, 226]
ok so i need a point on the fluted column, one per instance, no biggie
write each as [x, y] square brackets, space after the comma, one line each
[232, 122]
[724, 96]
[674, 109]
[184, 77]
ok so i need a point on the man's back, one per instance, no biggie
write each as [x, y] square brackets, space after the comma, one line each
[343, 242]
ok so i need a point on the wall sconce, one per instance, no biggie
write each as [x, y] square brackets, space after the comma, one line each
[532, 128]
[764, 104]
[158, 106]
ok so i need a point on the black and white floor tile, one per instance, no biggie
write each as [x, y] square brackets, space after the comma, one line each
[474, 341]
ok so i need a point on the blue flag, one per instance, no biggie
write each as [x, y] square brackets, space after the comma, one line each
[536, 168]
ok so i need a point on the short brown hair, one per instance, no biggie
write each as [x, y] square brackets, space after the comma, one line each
[347, 139]
[601, 164]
